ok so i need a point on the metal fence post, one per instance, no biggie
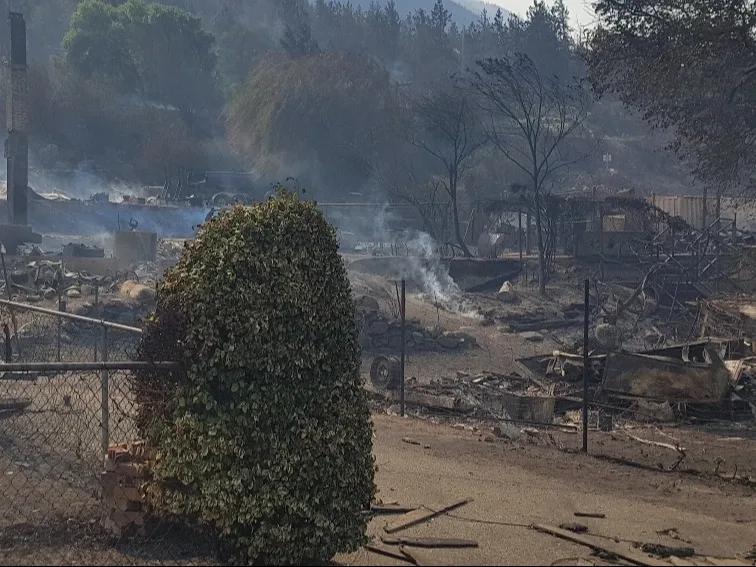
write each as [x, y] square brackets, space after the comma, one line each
[96, 303]
[105, 391]
[10, 295]
[404, 347]
[586, 316]
[62, 308]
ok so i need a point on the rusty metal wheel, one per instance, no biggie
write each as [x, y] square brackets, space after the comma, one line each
[385, 372]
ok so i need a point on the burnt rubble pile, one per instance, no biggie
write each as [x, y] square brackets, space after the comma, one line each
[701, 381]
[41, 280]
[487, 395]
[379, 332]
[693, 381]
[170, 248]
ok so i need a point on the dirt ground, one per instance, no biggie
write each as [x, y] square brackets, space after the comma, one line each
[514, 485]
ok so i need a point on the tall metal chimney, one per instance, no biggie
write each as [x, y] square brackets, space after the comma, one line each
[17, 143]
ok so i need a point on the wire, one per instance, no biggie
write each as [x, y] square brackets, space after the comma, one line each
[479, 521]
[520, 525]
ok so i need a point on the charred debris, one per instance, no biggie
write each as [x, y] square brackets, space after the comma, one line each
[686, 294]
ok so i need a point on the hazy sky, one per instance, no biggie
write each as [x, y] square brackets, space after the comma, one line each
[581, 13]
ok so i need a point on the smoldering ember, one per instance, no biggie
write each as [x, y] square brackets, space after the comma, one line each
[549, 236]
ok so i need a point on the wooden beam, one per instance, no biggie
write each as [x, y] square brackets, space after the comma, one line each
[420, 558]
[633, 556]
[386, 553]
[391, 508]
[429, 542]
[420, 516]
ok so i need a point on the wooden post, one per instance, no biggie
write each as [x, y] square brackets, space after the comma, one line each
[8, 349]
[734, 227]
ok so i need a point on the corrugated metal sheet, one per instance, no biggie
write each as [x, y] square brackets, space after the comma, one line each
[688, 207]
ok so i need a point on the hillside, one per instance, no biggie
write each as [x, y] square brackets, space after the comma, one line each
[477, 7]
[461, 14]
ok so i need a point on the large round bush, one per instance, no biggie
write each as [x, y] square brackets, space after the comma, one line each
[264, 436]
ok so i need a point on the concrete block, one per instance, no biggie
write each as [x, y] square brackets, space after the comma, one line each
[132, 247]
[76, 250]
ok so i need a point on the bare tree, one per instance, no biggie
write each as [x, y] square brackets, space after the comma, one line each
[444, 124]
[405, 174]
[529, 118]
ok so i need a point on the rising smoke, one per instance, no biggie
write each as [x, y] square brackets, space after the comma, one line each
[418, 256]
[427, 270]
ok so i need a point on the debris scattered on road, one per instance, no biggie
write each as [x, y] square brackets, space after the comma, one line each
[421, 516]
[667, 551]
[387, 553]
[634, 556]
[672, 533]
[575, 528]
[429, 542]
[420, 558]
[379, 508]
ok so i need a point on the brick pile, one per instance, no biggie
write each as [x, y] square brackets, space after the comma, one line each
[125, 471]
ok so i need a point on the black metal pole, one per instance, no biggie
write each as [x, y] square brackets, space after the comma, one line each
[401, 377]
[585, 367]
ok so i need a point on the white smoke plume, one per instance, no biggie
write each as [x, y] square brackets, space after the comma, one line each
[428, 271]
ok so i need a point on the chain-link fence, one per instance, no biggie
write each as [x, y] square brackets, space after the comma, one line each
[37, 334]
[68, 493]
[63, 500]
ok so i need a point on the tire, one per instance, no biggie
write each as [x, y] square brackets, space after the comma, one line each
[385, 372]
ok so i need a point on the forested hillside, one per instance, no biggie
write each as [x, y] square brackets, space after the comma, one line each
[344, 96]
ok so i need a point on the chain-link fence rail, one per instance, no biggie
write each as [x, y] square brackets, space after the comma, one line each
[37, 334]
[69, 494]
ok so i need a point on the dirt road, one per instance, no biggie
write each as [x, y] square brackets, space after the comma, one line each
[514, 486]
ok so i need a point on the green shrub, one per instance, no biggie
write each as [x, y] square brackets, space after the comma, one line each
[265, 434]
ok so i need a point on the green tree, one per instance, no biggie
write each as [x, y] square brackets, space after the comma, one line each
[161, 53]
[297, 34]
[240, 49]
[383, 31]
[688, 69]
[544, 36]
[264, 436]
